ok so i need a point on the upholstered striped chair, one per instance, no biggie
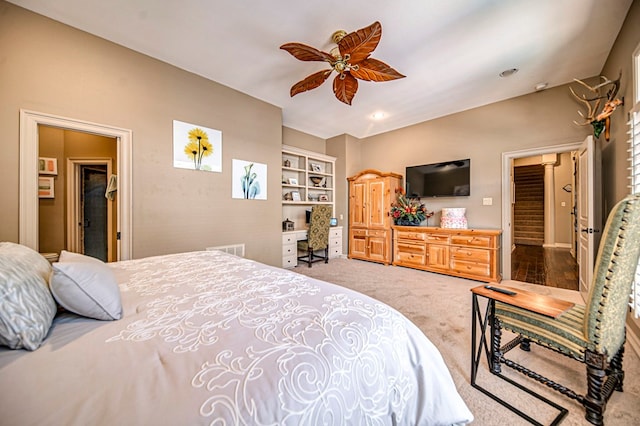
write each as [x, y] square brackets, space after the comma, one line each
[593, 334]
[318, 235]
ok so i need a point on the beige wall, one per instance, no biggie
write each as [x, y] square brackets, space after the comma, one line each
[481, 134]
[48, 67]
[52, 210]
[614, 153]
[303, 140]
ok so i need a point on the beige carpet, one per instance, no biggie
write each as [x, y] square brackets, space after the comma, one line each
[441, 306]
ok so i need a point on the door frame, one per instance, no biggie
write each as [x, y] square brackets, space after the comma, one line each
[508, 193]
[74, 206]
[28, 186]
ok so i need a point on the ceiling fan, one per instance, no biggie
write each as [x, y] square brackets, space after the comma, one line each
[350, 59]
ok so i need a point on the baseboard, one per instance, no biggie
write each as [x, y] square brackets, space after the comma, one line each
[633, 340]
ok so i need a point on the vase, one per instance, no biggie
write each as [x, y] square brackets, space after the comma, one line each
[408, 221]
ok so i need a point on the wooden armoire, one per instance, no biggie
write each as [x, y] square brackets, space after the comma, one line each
[371, 193]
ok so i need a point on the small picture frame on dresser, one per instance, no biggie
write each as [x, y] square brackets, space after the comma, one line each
[293, 181]
[295, 196]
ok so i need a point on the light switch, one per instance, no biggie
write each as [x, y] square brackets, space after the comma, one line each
[563, 204]
[341, 217]
[487, 201]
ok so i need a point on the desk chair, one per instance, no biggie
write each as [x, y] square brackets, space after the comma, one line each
[317, 236]
[593, 334]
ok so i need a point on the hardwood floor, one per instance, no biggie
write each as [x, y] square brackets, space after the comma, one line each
[552, 267]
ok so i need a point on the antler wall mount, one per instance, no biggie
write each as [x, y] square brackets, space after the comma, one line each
[599, 120]
[350, 59]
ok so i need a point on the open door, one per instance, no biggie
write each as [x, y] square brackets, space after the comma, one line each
[589, 204]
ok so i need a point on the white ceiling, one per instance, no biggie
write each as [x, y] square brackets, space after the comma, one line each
[450, 50]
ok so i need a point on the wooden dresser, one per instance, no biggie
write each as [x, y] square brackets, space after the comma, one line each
[466, 253]
[371, 193]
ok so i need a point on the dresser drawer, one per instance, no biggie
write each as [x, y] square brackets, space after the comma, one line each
[359, 232]
[335, 252]
[290, 250]
[437, 238]
[335, 233]
[407, 235]
[406, 247]
[413, 258]
[470, 254]
[288, 239]
[289, 261]
[377, 233]
[471, 240]
[470, 268]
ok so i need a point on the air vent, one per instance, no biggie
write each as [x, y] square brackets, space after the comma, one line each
[235, 249]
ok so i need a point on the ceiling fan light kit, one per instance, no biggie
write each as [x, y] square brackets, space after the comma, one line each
[350, 59]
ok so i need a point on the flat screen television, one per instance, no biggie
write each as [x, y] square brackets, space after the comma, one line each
[446, 179]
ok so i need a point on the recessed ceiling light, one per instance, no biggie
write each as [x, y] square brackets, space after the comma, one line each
[509, 72]
[377, 115]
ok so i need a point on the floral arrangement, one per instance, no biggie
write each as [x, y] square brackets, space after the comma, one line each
[408, 211]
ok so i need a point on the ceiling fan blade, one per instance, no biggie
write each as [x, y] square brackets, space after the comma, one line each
[359, 44]
[306, 53]
[345, 87]
[310, 82]
[371, 69]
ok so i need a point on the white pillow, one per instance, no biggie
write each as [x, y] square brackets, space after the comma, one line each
[69, 256]
[86, 287]
[26, 306]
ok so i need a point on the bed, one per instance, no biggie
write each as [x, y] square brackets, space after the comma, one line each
[211, 338]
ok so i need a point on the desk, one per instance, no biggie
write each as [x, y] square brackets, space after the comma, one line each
[290, 245]
[533, 302]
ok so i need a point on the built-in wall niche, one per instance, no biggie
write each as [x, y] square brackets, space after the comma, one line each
[307, 179]
[296, 214]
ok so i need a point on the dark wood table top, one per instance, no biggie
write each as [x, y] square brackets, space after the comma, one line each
[534, 302]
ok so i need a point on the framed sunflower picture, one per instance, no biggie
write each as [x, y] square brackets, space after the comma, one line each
[196, 147]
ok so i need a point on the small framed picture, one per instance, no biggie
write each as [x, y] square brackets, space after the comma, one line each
[323, 197]
[295, 196]
[315, 167]
[45, 187]
[293, 181]
[47, 166]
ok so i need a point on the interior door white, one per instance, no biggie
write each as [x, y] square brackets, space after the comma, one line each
[589, 203]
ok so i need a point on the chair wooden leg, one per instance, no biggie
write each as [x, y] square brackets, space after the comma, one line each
[593, 401]
[525, 345]
[615, 368]
[495, 346]
[326, 255]
[310, 256]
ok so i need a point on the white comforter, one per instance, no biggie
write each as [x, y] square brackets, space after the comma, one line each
[210, 338]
